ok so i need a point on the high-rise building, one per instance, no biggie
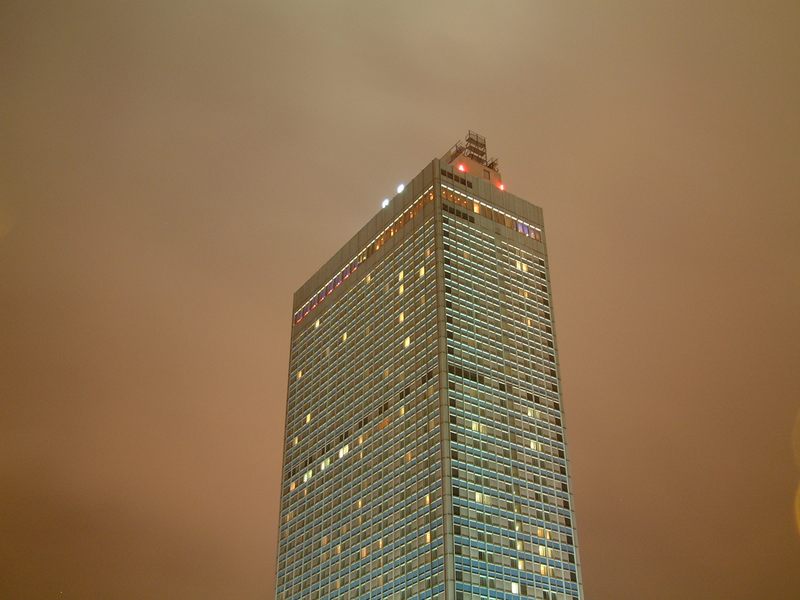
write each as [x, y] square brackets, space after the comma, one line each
[424, 452]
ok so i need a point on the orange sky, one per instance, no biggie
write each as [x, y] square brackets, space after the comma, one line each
[170, 172]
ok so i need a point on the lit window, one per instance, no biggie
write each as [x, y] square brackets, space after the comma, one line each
[344, 336]
[478, 497]
[308, 475]
[299, 374]
[427, 537]
[316, 324]
[422, 271]
[407, 342]
[344, 450]
[400, 276]
[514, 587]
[369, 277]
[295, 441]
[400, 291]
[308, 418]
[521, 564]
[401, 318]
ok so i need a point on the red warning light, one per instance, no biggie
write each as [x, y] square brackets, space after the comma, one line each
[502, 187]
[462, 168]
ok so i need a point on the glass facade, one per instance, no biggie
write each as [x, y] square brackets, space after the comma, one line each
[424, 450]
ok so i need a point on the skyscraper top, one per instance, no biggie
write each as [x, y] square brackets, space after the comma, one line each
[424, 447]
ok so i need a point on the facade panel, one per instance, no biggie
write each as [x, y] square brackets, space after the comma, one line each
[512, 517]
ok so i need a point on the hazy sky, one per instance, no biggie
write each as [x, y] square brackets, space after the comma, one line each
[170, 172]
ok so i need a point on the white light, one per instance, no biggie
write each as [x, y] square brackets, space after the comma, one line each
[400, 188]
[385, 203]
